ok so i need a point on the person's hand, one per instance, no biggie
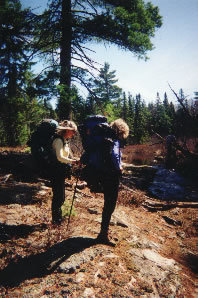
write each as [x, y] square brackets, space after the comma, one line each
[121, 170]
[77, 162]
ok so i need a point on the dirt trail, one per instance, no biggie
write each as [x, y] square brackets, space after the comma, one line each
[156, 253]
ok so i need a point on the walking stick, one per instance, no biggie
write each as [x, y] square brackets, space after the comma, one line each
[75, 188]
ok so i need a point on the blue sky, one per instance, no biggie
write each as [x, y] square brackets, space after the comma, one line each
[174, 59]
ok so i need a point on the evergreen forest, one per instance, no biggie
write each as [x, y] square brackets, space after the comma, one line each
[59, 37]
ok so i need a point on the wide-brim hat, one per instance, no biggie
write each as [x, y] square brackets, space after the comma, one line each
[67, 125]
[65, 128]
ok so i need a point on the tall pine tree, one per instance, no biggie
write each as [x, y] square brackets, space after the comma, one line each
[16, 31]
[68, 26]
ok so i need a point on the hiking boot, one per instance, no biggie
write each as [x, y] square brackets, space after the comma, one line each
[103, 239]
[56, 217]
[57, 221]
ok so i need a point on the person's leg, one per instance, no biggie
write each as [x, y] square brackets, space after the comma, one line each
[171, 158]
[58, 189]
[111, 186]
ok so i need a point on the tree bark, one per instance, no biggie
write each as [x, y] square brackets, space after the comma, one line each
[65, 54]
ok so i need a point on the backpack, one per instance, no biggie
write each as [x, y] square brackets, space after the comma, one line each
[97, 140]
[41, 141]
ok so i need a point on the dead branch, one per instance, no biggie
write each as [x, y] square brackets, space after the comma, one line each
[160, 137]
[181, 103]
[6, 178]
[176, 145]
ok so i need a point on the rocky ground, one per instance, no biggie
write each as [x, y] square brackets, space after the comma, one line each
[156, 243]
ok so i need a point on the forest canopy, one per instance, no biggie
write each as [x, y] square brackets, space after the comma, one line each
[59, 38]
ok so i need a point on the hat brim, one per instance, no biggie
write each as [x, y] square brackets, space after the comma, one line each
[65, 128]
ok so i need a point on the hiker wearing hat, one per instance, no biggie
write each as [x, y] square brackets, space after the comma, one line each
[59, 171]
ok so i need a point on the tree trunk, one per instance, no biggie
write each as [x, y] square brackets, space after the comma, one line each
[65, 60]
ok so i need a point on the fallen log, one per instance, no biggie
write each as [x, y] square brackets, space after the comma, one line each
[156, 206]
[132, 166]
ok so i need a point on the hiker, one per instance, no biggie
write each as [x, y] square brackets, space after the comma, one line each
[171, 148]
[58, 171]
[103, 164]
[51, 156]
[112, 178]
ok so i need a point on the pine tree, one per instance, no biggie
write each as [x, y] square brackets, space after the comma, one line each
[140, 121]
[181, 95]
[158, 100]
[15, 34]
[16, 31]
[131, 116]
[166, 103]
[162, 120]
[196, 95]
[68, 26]
[104, 88]
[124, 107]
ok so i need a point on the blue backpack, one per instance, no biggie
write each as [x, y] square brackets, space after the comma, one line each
[97, 140]
[41, 141]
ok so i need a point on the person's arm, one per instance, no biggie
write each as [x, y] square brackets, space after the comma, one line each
[116, 156]
[62, 153]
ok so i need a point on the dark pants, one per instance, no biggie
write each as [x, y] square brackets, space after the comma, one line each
[58, 174]
[111, 187]
[171, 158]
[58, 189]
[106, 183]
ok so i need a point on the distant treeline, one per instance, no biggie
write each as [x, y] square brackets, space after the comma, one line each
[21, 115]
[29, 39]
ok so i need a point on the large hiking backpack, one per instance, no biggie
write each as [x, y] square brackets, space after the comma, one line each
[97, 140]
[41, 141]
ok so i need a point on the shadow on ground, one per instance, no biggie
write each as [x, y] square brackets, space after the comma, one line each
[39, 265]
[7, 232]
[192, 262]
[22, 194]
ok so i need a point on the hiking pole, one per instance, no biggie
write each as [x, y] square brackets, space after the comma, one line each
[75, 188]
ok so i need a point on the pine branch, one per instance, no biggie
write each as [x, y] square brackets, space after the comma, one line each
[97, 100]
[83, 69]
[89, 60]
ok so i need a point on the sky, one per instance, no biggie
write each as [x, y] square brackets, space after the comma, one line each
[174, 60]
